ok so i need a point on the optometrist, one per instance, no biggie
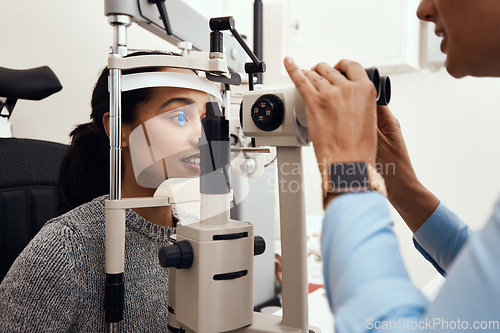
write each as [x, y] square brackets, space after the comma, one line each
[367, 284]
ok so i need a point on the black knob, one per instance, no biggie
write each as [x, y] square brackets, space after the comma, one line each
[216, 42]
[222, 23]
[268, 112]
[259, 245]
[260, 67]
[178, 255]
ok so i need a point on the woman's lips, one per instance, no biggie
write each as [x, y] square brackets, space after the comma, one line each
[192, 163]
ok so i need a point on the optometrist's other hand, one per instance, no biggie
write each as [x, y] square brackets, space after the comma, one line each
[393, 159]
[405, 192]
[341, 112]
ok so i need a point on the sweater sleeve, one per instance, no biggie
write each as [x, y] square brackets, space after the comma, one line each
[39, 293]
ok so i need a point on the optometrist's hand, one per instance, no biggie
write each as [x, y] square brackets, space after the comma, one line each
[392, 155]
[405, 192]
[341, 112]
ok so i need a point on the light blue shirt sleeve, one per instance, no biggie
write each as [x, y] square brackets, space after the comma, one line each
[441, 238]
[369, 289]
[469, 301]
[365, 278]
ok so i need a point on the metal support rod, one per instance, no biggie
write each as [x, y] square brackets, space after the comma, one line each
[244, 45]
[115, 225]
[119, 48]
[115, 134]
[257, 33]
[293, 238]
[250, 82]
[227, 102]
[114, 327]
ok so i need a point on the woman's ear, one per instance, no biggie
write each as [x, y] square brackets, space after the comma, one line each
[126, 129]
[105, 123]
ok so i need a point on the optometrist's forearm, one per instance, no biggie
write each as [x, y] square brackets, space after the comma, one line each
[413, 201]
[365, 276]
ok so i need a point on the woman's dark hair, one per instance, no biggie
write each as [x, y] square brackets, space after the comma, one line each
[84, 173]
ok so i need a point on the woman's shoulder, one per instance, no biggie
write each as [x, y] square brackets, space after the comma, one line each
[85, 219]
[59, 242]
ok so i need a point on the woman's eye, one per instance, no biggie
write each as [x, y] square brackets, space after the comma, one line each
[180, 118]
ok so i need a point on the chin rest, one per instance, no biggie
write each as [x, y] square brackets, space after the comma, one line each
[32, 84]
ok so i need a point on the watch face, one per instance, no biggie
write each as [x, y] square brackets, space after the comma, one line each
[349, 177]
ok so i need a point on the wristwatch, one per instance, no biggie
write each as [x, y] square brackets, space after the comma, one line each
[352, 177]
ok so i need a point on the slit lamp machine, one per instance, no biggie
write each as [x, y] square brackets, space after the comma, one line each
[210, 263]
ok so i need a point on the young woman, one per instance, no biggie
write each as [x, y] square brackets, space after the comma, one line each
[366, 281]
[57, 282]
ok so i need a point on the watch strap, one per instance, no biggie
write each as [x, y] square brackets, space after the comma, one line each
[352, 177]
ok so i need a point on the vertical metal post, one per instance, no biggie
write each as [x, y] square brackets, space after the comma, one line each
[114, 297]
[119, 49]
[258, 26]
[115, 77]
[293, 238]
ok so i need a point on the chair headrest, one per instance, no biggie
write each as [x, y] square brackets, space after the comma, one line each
[32, 84]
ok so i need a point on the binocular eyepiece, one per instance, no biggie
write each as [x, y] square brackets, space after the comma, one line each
[381, 83]
[263, 112]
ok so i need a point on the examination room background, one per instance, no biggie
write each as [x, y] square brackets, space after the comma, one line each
[450, 126]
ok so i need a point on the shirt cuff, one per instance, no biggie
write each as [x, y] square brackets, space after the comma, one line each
[441, 238]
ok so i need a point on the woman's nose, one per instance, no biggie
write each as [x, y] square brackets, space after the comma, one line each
[427, 11]
[195, 133]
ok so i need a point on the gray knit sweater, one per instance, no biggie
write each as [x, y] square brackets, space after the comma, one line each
[57, 282]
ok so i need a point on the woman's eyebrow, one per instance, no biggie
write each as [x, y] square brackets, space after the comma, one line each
[182, 100]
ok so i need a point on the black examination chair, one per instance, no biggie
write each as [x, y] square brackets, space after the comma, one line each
[29, 169]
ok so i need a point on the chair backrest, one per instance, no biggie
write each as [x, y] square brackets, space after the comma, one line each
[29, 172]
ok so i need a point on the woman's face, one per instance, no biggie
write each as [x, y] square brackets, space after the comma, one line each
[171, 122]
[471, 34]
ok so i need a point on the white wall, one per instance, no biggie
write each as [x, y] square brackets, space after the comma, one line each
[451, 130]
[73, 39]
[450, 125]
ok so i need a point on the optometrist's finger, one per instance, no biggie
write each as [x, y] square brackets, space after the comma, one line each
[330, 73]
[318, 81]
[353, 70]
[304, 86]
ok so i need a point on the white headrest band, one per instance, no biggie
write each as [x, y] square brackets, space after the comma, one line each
[170, 79]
